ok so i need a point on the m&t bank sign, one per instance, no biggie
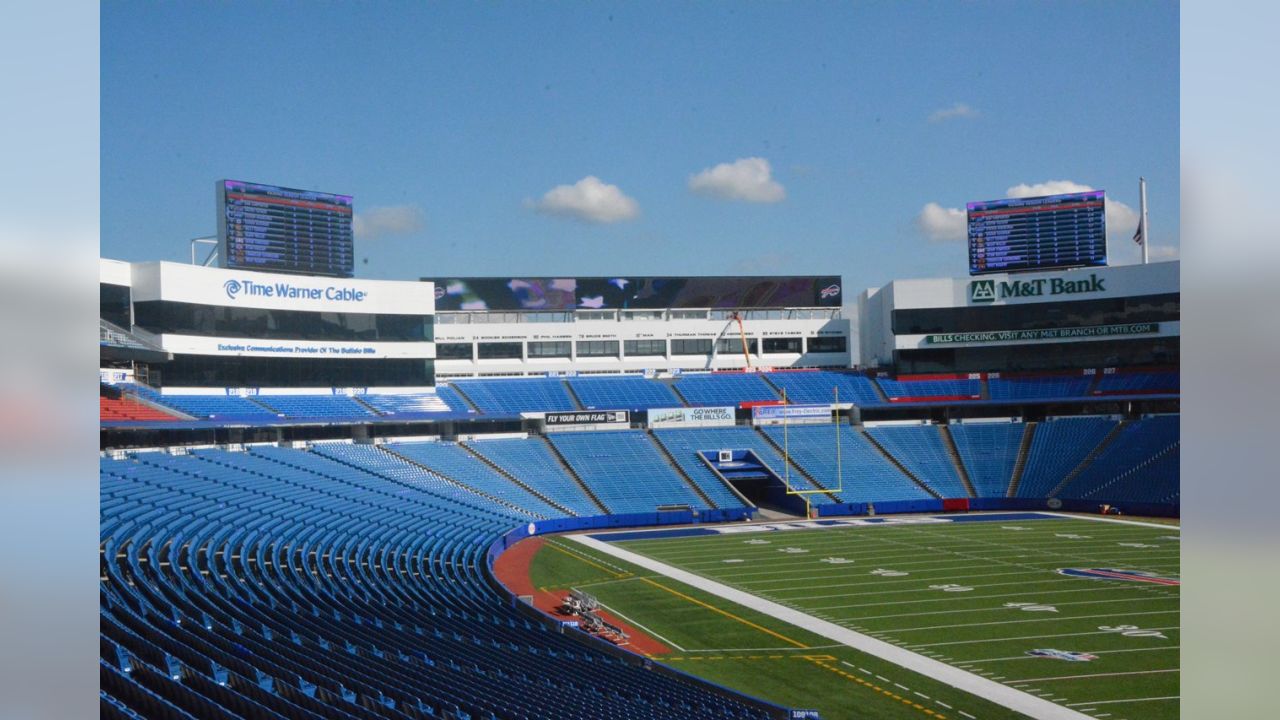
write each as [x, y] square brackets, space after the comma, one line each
[986, 291]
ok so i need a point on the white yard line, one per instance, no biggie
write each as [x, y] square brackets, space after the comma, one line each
[1170, 528]
[1097, 675]
[1130, 700]
[766, 649]
[998, 693]
[1028, 637]
[1091, 652]
[1060, 620]
[1114, 586]
[997, 609]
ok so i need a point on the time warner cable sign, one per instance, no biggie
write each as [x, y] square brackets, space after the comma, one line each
[287, 290]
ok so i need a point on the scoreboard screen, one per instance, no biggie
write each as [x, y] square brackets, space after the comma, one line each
[1040, 233]
[276, 229]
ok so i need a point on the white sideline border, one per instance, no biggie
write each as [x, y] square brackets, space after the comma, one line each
[1159, 526]
[991, 690]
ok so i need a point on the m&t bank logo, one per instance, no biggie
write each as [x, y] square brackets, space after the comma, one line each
[982, 291]
[232, 287]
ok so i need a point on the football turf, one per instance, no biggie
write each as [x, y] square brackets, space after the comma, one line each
[986, 597]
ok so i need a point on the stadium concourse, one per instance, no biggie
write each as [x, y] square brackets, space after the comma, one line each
[510, 397]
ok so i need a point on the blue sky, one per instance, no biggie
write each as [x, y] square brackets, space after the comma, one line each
[453, 124]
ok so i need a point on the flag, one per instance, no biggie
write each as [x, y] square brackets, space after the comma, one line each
[1138, 234]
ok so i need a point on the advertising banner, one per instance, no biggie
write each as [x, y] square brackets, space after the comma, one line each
[691, 417]
[635, 293]
[247, 347]
[794, 414]
[588, 420]
[111, 376]
[1047, 334]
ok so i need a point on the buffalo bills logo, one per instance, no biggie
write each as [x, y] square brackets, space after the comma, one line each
[1118, 574]
[829, 291]
[1068, 655]
[232, 287]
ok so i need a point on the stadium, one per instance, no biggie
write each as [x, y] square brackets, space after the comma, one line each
[735, 496]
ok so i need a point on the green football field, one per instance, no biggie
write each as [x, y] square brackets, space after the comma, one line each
[986, 597]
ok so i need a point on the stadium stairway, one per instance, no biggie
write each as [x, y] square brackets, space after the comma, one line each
[680, 471]
[456, 463]
[466, 398]
[362, 403]
[675, 388]
[1088, 459]
[1020, 465]
[573, 395]
[880, 393]
[894, 461]
[954, 453]
[568, 468]
[471, 405]
[1165, 456]
[517, 481]
[533, 462]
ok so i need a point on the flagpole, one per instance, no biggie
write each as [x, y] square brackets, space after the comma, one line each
[1146, 226]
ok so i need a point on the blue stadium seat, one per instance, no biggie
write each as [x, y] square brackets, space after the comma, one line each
[1058, 447]
[989, 452]
[315, 406]
[740, 437]
[920, 449]
[625, 470]
[455, 462]
[444, 400]
[1141, 464]
[1038, 388]
[1122, 383]
[918, 390]
[282, 583]
[711, 389]
[627, 392]
[512, 396]
[867, 475]
[532, 461]
[816, 387]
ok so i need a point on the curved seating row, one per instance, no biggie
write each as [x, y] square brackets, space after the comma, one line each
[282, 583]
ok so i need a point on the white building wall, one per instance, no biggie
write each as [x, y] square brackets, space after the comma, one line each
[218, 287]
[876, 306]
[623, 330]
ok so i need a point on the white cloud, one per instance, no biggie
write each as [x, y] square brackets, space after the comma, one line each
[749, 179]
[959, 111]
[590, 199]
[941, 223]
[1163, 252]
[380, 222]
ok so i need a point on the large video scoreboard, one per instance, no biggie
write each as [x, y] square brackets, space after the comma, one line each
[1040, 233]
[276, 229]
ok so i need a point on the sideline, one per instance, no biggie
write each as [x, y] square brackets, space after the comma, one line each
[1083, 516]
[996, 692]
